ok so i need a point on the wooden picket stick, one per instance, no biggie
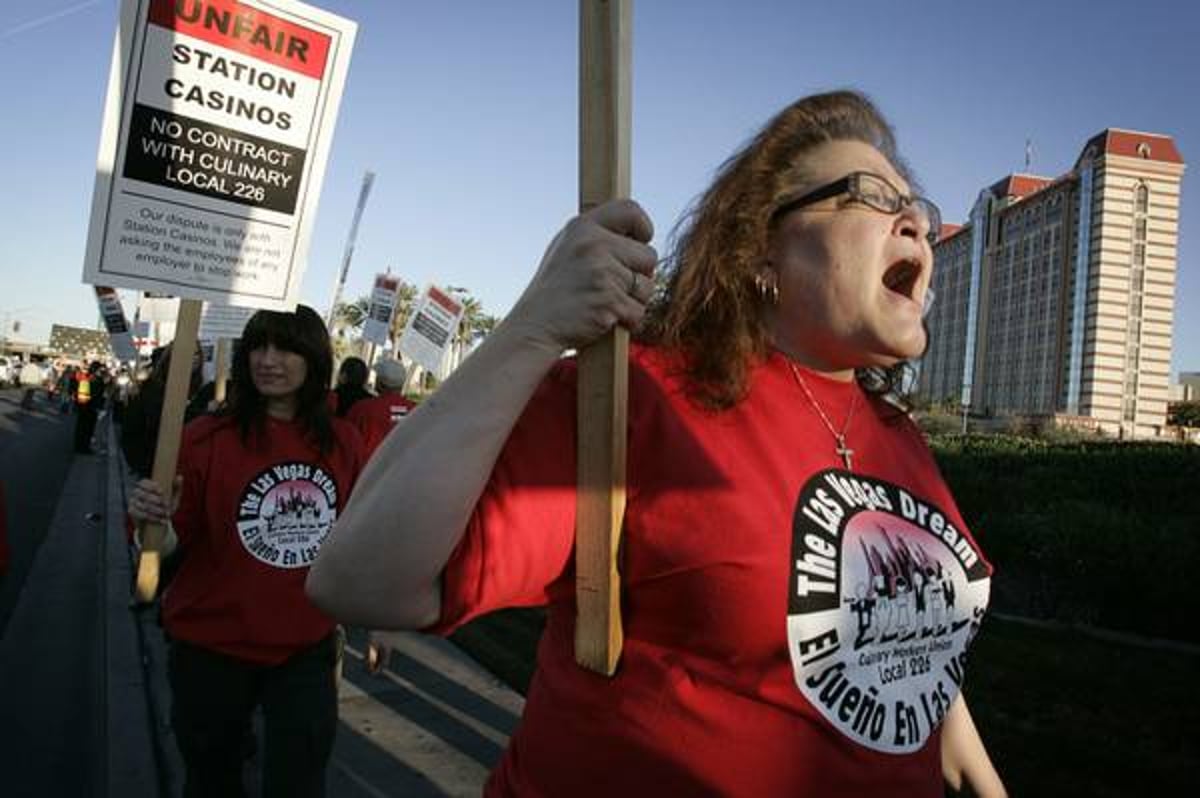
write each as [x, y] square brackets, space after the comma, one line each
[605, 29]
[222, 371]
[166, 452]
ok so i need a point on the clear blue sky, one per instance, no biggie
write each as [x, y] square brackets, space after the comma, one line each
[466, 110]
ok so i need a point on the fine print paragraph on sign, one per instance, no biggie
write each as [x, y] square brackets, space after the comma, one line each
[224, 113]
[195, 249]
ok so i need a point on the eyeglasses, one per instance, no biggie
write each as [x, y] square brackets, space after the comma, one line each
[876, 193]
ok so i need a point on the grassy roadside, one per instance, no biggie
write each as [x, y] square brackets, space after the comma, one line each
[1060, 712]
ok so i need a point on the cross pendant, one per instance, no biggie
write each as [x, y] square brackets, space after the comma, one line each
[845, 452]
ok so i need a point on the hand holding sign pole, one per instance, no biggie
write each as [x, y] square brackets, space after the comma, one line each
[166, 452]
[605, 29]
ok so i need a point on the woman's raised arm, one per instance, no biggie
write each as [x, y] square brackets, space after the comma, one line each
[382, 566]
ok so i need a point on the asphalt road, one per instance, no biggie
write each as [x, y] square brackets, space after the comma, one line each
[83, 697]
[51, 645]
[35, 456]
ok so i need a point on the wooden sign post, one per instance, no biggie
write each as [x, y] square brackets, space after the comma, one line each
[605, 29]
[166, 453]
[221, 378]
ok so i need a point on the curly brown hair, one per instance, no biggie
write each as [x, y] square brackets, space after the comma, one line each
[708, 308]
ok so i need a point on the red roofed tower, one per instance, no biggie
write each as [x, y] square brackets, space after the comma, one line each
[1056, 297]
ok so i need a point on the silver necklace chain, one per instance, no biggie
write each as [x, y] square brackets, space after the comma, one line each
[844, 451]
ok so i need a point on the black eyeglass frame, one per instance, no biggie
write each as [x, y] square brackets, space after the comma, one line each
[850, 184]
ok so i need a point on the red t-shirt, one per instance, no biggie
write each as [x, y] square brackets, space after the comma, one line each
[251, 518]
[375, 417]
[790, 628]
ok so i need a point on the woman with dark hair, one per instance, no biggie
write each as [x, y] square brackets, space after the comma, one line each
[258, 490]
[351, 384]
[799, 590]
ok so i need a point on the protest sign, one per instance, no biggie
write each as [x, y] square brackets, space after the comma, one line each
[379, 313]
[119, 335]
[221, 324]
[430, 329]
[223, 321]
[216, 131]
[208, 358]
[157, 308]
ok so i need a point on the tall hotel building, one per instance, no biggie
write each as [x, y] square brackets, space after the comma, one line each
[1056, 298]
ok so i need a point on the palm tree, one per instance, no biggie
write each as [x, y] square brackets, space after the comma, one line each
[474, 326]
[406, 297]
[484, 326]
[349, 316]
[472, 310]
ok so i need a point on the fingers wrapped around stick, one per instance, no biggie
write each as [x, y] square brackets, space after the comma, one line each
[147, 504]
[597, 273]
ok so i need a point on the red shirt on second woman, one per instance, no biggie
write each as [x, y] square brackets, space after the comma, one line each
[251, 518]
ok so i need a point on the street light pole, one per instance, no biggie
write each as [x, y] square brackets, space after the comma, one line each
[8, 316]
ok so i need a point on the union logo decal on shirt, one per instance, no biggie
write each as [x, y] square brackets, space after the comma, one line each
[285, 512]
[885, 596]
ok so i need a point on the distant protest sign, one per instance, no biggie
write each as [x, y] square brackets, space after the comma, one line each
[120, 337]
[379, 313]
[216, 131]
[431, 328]
[223, 321]
[157, 308]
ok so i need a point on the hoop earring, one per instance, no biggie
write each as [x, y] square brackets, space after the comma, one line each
[767, 286]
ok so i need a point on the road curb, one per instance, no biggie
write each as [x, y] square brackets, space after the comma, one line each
[141, 759]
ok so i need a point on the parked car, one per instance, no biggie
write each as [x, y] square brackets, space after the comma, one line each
[31, 375]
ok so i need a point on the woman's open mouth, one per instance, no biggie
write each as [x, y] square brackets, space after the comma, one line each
[903, 277]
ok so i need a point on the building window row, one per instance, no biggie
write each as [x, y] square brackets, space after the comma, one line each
[1137, 285]
[1141, 198]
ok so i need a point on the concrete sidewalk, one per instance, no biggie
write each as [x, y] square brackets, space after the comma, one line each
[433, 723]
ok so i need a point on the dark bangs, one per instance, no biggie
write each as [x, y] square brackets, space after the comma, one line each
[302, 332]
